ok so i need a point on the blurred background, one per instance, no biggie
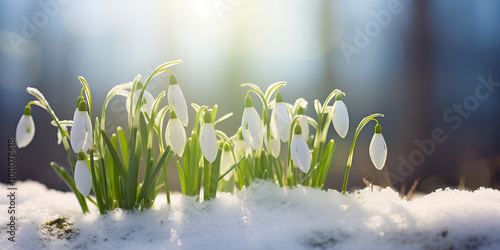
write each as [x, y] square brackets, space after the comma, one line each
[432, 67]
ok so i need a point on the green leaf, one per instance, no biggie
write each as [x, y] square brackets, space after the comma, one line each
[122, 140]
[214, 112]
[223, 118]
[230, 169]
[327, 165]
[182, 177]
[151, 181]
[143, 128]
[114, 154]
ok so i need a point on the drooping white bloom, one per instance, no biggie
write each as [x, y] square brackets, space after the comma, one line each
[83, 179]
[274, 144]
[25, 130]
[226, 161]
[251, 126]
[301, 155]
[147, 101]
[177, 101]
[208, 139]
[280, 117]
[241, 148]
[340, 118]
[378, 148]
[175, 135]
[81, 131]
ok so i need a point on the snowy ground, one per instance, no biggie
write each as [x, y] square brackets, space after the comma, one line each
[263, 217]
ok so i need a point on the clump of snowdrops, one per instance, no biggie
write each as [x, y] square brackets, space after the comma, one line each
[209, 160]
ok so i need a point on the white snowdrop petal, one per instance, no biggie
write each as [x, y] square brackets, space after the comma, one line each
[78, 131]
[175, 136]
[301, 155]
[208, 142]
[340, 118]
[305, 127]
[281, 117]
[252, 128]
[178, 102]
[25, 131]
[89, 132]
[294, 151]
[378, 151]
[226, 162]
[304, 154]
[83, 179]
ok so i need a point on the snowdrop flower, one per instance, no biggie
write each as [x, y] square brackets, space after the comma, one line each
[208, 140]
[226, 161]
[303, 123]
[81, 132]
[280, 117]
[175, 135]
[177, 101]
[241, 148]
[274, 144]
[83, 179]
[378, 148]
[25, 130]
[301, 155]
[251, 126]
[147, 101]
[340, 116]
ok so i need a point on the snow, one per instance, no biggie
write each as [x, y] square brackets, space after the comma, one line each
[264, 216]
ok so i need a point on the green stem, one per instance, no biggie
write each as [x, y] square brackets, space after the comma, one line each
[349, 160]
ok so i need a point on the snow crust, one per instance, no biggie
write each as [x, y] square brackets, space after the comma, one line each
[264, 216]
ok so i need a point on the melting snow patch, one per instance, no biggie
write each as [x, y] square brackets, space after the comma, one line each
[264, 216]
